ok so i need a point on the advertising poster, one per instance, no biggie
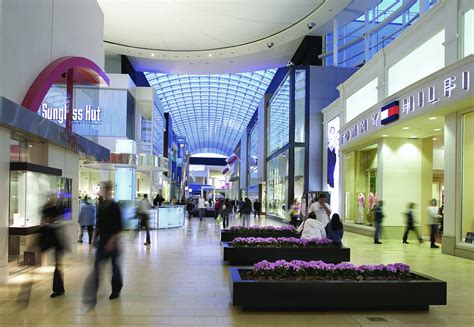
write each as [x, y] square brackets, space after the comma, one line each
[333, 163]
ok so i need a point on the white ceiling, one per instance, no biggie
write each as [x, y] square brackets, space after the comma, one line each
[213, 36]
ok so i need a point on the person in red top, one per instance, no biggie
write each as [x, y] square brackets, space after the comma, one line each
[218, 208]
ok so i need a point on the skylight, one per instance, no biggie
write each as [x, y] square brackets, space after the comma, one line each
[211, 111]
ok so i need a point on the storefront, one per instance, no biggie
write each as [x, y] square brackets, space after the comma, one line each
[293, 135]
[405, 137]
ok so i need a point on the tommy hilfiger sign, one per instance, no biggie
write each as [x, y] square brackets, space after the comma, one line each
[432, 96]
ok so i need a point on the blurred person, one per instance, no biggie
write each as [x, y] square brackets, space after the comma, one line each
[378, 213]
[432, 220]
[217, 208]
[311, 228]
[107, 238]
[245, 211]
[87, 212]
[226, 211]
[201, 206]
[335, 230]
[189, 208]
[294, 213]
[410, 224]
[51, 237]
[143, 211]
[257, 206]
[321, 209]
[156, 200]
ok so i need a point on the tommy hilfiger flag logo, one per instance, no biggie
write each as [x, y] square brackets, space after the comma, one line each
[389, 113]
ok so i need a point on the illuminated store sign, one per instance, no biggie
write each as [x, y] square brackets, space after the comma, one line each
[88, 114]
[427, 98]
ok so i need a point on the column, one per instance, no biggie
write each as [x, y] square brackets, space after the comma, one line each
[4, 198]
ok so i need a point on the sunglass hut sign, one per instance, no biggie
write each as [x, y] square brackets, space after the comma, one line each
[430, 97]
[80, 115]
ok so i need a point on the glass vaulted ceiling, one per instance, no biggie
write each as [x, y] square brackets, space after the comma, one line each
[211, 111]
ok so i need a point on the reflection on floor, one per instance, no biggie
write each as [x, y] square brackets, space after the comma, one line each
[180, 280]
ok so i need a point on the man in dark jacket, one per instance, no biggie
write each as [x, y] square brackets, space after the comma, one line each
[378, 222]
[256, 208]
[109, 226]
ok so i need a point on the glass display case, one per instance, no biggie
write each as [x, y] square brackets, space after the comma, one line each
[29, 191]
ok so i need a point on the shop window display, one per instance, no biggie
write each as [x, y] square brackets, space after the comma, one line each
[361, 185]
[29, 191]
[277, 185]
[467, 231]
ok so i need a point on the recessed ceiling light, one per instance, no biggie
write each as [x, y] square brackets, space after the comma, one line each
[406, 127]
[433, 118]
[413, 137]
[437, 129]
[435, 139]
[385, 135]
[152, 54]
[210, 55]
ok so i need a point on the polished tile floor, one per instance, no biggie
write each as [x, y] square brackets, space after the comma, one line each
[180, 280]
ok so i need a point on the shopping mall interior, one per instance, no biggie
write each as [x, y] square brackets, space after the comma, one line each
[241, 163]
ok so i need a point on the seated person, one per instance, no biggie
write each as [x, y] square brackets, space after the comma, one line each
[335, 230]
[312, 228]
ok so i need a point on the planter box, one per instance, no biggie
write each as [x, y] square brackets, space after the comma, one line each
[249, 256]
[228, 236]
[336, 294]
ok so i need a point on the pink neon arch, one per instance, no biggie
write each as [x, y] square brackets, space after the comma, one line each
[85, 72]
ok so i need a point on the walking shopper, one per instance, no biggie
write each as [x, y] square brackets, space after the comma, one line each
[107, 236]
[227, 210]
[321, 209]
[433, 217]
[189, 208]
[294, 213]
[201, 207]
[144, 208]
[50, 237]
[245, 211]
[257, 206]
[411, 224]
[335, 230]
[86, 219]
[378, 222]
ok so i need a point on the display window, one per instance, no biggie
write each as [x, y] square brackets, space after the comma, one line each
[29, 191]
[467, 206]
[361, 185]
[277, 185]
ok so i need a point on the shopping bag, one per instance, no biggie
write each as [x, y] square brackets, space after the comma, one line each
[219, 219]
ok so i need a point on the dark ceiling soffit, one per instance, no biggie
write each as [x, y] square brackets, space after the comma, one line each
[207, 161]
[137, 77]
[22, 120]
[308, 51]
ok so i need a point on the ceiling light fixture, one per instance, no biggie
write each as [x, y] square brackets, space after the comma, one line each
[435, 139]
[270, 44]
[152, 54]
[210, 55]
[406, 127]
[385, 135]
[413, 137]
[433, 118]
[311, 25]
[437, 129]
